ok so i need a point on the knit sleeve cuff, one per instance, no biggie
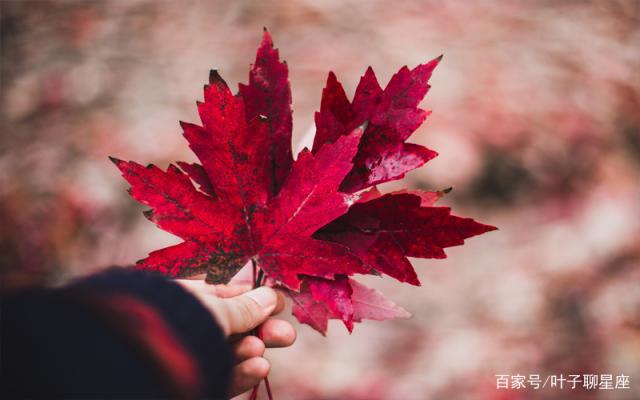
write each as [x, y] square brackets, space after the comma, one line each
[186, 318]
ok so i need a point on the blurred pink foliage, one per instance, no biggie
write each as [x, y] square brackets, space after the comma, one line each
[535, 116]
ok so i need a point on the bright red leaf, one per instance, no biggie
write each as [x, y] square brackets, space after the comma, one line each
[384, 231]
[393, 115]
[303, 223]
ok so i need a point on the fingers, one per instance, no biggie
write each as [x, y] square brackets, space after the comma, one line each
[248, 347]
[277, 333]
[247, 374]
[239, 309]
[247, 311]
[273, 333]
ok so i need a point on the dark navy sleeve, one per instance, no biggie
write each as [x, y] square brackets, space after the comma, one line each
[119, 334]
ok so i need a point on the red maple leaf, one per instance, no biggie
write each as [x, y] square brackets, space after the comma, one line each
[306, 224]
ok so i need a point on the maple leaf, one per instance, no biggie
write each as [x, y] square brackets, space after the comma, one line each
[384, 231]
[393, 116]
[305, 224]
[222, 234]
[344, 299]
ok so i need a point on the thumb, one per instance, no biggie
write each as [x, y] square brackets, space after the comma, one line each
[250, 309]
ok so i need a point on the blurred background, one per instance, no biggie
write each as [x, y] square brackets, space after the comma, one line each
[536, 116]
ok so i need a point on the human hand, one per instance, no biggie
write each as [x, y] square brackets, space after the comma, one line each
[238, 310]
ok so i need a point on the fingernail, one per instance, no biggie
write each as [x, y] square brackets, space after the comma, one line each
[264, 296]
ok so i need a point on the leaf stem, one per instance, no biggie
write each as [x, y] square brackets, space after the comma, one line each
[254, 273]
[266, 383]
[258, 278]
[254, 392]
[258, 274]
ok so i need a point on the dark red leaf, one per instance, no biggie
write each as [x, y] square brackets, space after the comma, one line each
[191, 258]
[199, 176]
[301, 221]
[393, 116]
[177, 206]
[384, 231]
[320, 300]
[240, 225]
[230, 149]
[310, 198]
[268, 96]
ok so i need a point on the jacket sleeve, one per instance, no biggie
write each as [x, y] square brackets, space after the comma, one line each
[119, 334]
